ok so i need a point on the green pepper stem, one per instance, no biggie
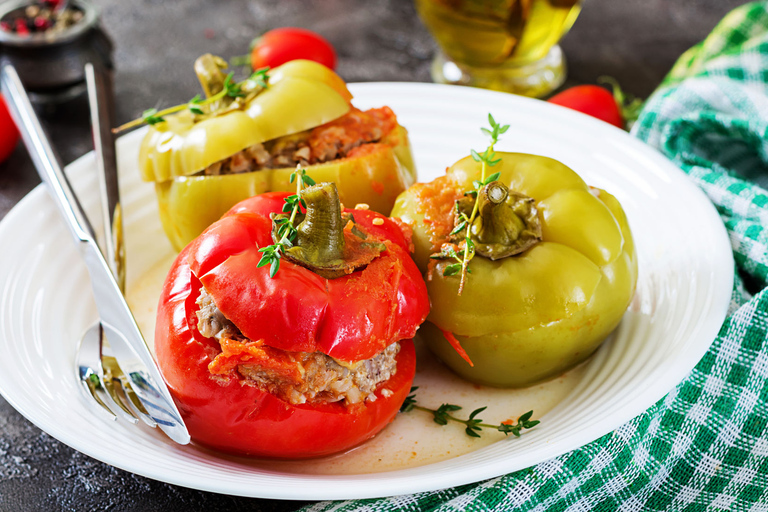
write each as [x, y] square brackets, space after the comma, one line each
[321, 233]
[507, 222]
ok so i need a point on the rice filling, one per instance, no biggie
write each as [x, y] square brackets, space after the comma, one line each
[299, 377]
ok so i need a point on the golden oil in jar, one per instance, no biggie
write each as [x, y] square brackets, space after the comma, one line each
[504, 34]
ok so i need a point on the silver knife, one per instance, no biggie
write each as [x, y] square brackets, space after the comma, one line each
[128, 345]
[101, 100]
[103, 118]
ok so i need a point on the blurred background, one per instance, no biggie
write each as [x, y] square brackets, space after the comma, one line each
[155, 45]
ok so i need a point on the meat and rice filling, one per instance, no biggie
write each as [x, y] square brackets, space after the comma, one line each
[325, 143]
[297, 377]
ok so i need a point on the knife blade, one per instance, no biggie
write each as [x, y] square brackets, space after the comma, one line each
[129, 347]
[103, 118]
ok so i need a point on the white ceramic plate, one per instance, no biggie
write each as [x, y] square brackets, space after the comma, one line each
[682, 297]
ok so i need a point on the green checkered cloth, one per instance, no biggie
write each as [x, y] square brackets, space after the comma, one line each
[705, 445]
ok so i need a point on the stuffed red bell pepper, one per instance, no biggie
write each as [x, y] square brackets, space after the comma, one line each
[302, 357]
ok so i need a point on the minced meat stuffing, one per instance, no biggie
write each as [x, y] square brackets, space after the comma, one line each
[325, 143]
[297, 377]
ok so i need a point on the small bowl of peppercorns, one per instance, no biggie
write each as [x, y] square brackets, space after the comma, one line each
[49, 42]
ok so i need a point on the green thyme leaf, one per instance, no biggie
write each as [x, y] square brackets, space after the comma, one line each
[478, 411]
[459, 227]
[274, 267]
[194, 105]
[260, 77]
[452, 270]
[232, 88]
[150, 117]
[442, 415]
[470, 244]
[410, 401]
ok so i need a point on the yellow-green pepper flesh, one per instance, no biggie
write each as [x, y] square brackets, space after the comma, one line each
[299, 97]
[189, 204]
[528, 317]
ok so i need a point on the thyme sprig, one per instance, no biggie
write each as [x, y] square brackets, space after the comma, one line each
[286, 231]
[442, 415]
[488, 159]
[449, 252]
[231, 89]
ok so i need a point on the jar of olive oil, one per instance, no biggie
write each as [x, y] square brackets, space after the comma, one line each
[506, 45]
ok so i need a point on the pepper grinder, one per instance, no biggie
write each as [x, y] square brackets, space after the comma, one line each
[51, 60]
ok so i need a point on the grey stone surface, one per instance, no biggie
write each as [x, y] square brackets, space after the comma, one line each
[156, 43]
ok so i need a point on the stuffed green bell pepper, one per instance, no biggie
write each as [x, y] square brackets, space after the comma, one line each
[245, 139]
[553, 268]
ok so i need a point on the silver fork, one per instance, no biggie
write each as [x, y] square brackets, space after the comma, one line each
[106, 387]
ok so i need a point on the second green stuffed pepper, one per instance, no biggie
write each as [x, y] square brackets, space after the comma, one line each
[206, 158]
[553, 272]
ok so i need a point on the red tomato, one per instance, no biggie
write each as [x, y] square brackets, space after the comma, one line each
[592, 100]
[351, 318]
[280, 45]
[9, 135]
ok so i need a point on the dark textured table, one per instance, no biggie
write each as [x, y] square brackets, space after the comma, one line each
[156, 43]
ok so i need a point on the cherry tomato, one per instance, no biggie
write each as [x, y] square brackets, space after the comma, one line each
[592, 100]
[281, 45]
[9, 135]
[296, 310]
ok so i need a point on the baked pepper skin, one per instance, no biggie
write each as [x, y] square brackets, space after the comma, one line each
[350, 318]
[301, 95]
[529, 317]
[374, 174]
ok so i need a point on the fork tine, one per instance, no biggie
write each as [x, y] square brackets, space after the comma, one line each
[134, 403]
[87, 360]
[108, 382]
[123, 385]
